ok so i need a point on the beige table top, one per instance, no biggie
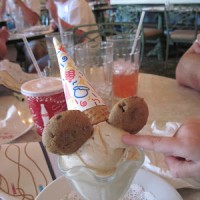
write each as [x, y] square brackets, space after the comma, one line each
[167, 101]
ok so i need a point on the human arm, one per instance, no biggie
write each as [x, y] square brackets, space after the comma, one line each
[182, 152]
[30, 16]
[3, 39]
[3, 49]
[51, 6]
[188, 68]
[3, 8]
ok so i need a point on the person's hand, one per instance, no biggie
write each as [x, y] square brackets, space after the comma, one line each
[182, 152]
[4, 34]
[196, 45]
[53, 25]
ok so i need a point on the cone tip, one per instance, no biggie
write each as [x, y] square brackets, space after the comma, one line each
[56, 42]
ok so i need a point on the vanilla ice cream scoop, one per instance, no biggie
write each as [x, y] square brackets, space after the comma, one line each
[102, 152]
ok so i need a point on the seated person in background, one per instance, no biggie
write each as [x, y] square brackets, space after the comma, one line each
[30, 10]
[71, 13]
[4, 34]
[31, 14]
[188, 68]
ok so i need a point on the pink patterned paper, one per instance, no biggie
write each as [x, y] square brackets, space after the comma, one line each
[79, 93]
[44, 107]
[24, 172]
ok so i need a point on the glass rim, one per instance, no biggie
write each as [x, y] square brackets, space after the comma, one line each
[47, 92]
[67, 32]
[121, 37]
[52, 34]
[94, 45]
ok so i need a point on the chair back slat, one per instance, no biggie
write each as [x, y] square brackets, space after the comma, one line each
[181, 25]
[181, 17]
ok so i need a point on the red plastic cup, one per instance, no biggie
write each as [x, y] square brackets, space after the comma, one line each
[45, 98]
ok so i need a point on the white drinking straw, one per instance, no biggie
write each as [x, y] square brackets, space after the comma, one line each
[60, 30]
[32, 57]
[137, 32]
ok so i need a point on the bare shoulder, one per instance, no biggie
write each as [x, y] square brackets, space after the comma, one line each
[186, 71]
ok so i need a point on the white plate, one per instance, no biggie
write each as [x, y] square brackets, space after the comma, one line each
[150, 182]
[20, 124]
[31, 32]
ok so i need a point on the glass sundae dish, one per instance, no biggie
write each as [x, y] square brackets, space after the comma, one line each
[90, 185]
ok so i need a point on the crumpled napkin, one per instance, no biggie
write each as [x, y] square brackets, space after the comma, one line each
[12, 76]
[11, 126]
[12, 113]
[155, 163]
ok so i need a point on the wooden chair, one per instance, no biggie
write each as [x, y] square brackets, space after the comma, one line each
[181, 25]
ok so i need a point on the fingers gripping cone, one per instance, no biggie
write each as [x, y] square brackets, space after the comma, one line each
[79, 93]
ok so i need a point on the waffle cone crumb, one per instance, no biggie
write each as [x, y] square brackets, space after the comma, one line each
[97, 114]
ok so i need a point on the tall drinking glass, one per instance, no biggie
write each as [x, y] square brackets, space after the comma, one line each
[68, 43]
[19, 19]
[125, 66]
[53, 69]
[95, 60]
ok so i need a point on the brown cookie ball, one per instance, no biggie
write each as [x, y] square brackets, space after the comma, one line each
[66, 132]
[129, 114]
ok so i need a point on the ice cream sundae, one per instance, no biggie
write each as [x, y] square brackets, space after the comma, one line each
[87, 137]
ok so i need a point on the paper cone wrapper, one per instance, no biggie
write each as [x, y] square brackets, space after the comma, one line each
[79, 93]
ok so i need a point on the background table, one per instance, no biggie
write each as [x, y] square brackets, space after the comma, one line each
[30, 34]
[167, 101]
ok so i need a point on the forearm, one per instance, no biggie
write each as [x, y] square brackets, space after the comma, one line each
[3, 7]
[30, 17]
[187, 71]
[54, 15]
[66, 26]
[3, 49]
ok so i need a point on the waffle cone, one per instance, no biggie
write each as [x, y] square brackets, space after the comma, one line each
[97, 114]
